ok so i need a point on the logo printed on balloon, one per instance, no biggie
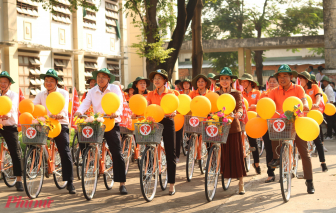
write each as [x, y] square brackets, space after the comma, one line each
[87, 132]
[194, 121]
[212, 131]
[145, 129]
[31, 133]
[279, 125]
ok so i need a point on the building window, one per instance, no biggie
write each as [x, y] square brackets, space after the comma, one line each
[29, 76]
[64, 71]
[90, 17]
[111, 16]
[113, 66]
[90, 65]
[27, 8]
[187, 59]
[61, 11]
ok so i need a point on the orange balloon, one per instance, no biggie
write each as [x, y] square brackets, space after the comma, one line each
[133, 122]
[251, 114]
[154, 111]
[57, 130]
[256, 127]
[19, 128]
[138, 104]
[179, 121]
[26, 105]
[26, 118]
[200, 106]
[212, 96]
[109, 124]
[39, 111]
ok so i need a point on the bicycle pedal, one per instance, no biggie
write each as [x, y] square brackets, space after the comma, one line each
[299, 176]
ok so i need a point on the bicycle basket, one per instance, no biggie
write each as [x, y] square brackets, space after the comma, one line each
[125, 131]
[34, 134]
[90, 133]
[215, 132]
[192, 124]
[281, 129]
[148, 133]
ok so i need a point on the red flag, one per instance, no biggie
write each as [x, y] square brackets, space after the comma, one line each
[267, 86]
[237, 86]
[21, 97]
[167, 86]
[74, 107]
[126, 120]
[65, 88]
[212, 88]
[319, 84]
[192, 89]
[298, 81]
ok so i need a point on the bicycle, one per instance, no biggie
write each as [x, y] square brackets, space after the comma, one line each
[6, 164]
[96, 159]
[283, 130]
[247, 152]
[192, 124]
[153, 159]
[128, 146]
[40, 160]
[184, 144]
[215, 133]
[261, 146]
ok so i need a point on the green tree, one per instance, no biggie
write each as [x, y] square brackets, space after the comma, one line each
[74, 4]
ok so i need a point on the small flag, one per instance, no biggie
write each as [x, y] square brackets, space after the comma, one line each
[212, 88]
[193, 89]
[21, 97]
[74, 107]
[267, 86]
[167, 86]
[298, 81]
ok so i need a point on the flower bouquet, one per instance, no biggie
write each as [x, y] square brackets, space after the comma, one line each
[37, 132]
[148, 131]
[292, 115]
[90, 129]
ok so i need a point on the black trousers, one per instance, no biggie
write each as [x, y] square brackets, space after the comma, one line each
[168, 135]
[320, 149]
[321, 134]
[179, 141]
[269, 154]
[331, 124]
[113, 141]
[10, 134]
[253, 143]
[62, 143]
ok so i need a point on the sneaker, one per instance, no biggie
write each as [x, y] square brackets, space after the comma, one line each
[328, 138]
[123, 190]
[325, 149]
[19, 186]
[71, 188]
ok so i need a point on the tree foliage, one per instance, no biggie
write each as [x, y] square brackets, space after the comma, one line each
[74, 4]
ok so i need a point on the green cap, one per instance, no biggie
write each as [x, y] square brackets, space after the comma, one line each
[305, 75]
[285, 69]
[227, 72]
[105, 71]
[247, 77]
[312, 77]
[325, 78]
[185, 80]
[51, 73]
[194, 81]
[211, 76]
[88, 81]
[4, 74]
[159, 71]
[130, 85]
[141, 78]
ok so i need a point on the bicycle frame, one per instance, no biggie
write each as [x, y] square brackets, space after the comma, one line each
[157, 152]
[198, 147]
[3, 148]
[219, 156]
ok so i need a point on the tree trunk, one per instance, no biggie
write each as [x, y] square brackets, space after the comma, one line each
[259, 65]
[150, 30]
[197, 48]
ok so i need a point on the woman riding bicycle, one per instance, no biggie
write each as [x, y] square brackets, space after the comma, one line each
[9, 130]
[279, 95]
[272, 83]
[51, 80]
[232, 162]
[129, 91]
[186, 86]
[314, 92]
[201, 85]
[252, 96]
[159, 79]
[104, 80]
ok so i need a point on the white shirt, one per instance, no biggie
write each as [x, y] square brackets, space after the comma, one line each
[13, 113]
[94, 97]
[42, 97]
[319, 77]
[330, 93]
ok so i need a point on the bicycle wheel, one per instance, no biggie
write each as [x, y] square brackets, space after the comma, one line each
[90, 171]
[225, 183]
[247, 159]
[190, 163]
[204, 156]
[164, 173]
[108, 173]
[295, 161]
[285, 172]
[75, 148]
[79, 164]
[126, 149]
[58, 175]
[33, 172]
[8, 172]
[185, 144]
[148, 175]
[212, 172]
[142, 149]
[261, 146]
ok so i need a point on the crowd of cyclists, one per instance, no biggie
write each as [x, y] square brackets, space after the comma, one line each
[279, 87]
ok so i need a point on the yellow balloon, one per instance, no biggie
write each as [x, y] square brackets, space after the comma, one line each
[138, 104]
[200, 106]
[290, 102]
[325, 98]
[266, 108]
[227, 101]
[57, 130]
[55, 102]
[154, 111]
[246, 104]
[169, 103]
[184, 106]
[39, 111]
[251, 114]
[110, 103]
[6, 105]
[307, 128]
[70, 107]
[330, 109]
[213, 97]
[316, 115]
[310, 101]
[109, 124]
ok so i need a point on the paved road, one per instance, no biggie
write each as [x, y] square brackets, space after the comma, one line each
[190, 196]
